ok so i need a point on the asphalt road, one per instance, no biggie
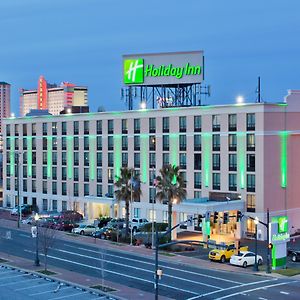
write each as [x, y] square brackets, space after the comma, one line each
[178, 281]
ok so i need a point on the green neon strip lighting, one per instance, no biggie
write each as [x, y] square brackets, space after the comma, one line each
[29, 156]
[49, 156]
[174, 140]
[241, 140]
[92, 142]
[144, 157]
[207, 140]
[283, 158]
[117, 153]
[70, 156]
[274, 256]
[12, 156]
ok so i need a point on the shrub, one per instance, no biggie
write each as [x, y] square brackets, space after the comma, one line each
[148, 227]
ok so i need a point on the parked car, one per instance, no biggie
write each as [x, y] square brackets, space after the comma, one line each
[84, 229]
[47, 222]
[103, 233]
[135, 224]
[245, 259]
[102, 222]
[116, 223]
[30, 220]
[25, 209]
[71, 215]
[294, 254]
[65, 225]
[224, 253]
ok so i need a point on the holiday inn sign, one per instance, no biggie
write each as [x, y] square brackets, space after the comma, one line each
[163, 68]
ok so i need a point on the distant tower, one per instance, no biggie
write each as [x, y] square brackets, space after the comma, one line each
[4, 102]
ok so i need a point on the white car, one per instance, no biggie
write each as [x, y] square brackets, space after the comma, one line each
[245, 258]
[84, 229]
[136, 223]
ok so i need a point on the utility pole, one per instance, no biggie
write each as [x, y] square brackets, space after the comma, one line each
[17, 158]
[268, 236]
[156, 262]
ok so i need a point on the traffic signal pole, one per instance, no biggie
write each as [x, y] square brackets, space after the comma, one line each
[268, 236]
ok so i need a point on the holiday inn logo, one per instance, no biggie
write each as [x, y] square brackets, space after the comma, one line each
[134, 70]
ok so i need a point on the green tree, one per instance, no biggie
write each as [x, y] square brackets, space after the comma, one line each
[170, 187]
[128, 188]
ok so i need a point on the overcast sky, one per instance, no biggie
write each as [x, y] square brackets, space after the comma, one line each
[82, 41]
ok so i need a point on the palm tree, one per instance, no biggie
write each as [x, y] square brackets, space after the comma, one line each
[171, 187]
[128, 190]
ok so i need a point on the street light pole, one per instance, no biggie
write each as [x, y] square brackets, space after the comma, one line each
[17, 158]
[131, 207]
[156, 262]
[37, 260]
[255, 267]
[154, 184]
[268, 236]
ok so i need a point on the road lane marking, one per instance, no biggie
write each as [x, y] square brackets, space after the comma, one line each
[51, 291]
[68, 296]
[115, 273]
[152, 264]
[34, 286]
[284, 293]
[231, 288]
[261, 298]
[136, 268]
[15, 282]
[25, 235]
[252, 290]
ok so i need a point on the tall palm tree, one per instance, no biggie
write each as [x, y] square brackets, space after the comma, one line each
[128, 185]
[171, 187]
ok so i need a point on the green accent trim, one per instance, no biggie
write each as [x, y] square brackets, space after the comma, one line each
[49, 156]
[283, 158]
[70, 156]
[12, 156]
[207, 140]
[144, 157]
[92, 142]
[29, 156]
[274, 256]
[280, 262]
[174, 140]
[117, 154]
[241, 141]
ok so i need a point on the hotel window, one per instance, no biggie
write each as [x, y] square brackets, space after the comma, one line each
[86, 127]
[75, 190]
[76, 127]
[99, 159]
[54, 128]
[166, 159]
[44, 143]
[64, 188]
[197, 195]
[16, 129]
[197, 142]
[8, 130]
[45, 204]
[197, 161]
[63, 173]
[54, 158]
[7, 159]
[152, 160]
[64, 205]
[110, 143]
[232, 182]
[86, 176]
[33, 172]
[44, 187]
[197, 180]
[152, 215]
[54, 143]
[17, 144]
[99, 127]
[76, 174]
[54, 188]
[152, 143]
[99, 190]
[250, 121]
[86, 144]
[250, 203]
[76, 158]
[137, 145]
[7, 171]
[182, 160]
[182, 143]
[33, 186]
[99, 142]
[24, 129]
[151, 176]
[45, 129]
[232, 122]
[183, 174]
[110, 192]
[197, 123]
[76, 143]
[232, 142]
[124, 159]
[86, 158]
[232, 162]
[216, 162]
[251, 162]
[24, 171]
[33, 143]
[124, 126]
[216, 181]
[182, 124]
[137, 160]
[165, 216]
[99, 175]
[152, 125]
[64, 143]
[124, 143]
[166, 145]
[250, 142]
[64, 128]
[64, 158]
[250, 183]
[8, 184]
[54, 173]
[33, 128]
[24, 143]
[166, 126]
[152, 195]
[216, 142]
[25, 158]
[8, 143]
[137, 125]
[110, 126]
[216, 123]
[110, 175]
[110, 159]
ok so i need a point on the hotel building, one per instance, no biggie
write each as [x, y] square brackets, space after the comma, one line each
[52, 97]
[240, 157]
[4, 101]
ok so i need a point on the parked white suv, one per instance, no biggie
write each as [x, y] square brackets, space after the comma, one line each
[137, 223]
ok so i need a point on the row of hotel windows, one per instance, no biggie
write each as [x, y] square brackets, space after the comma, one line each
[216, 125]
[216, 142]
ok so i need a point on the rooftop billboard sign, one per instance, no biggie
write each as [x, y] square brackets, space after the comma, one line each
[163, 68]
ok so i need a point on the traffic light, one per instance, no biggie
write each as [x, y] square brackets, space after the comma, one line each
[239, 216]
[270, 246]
[225, 218]
[216, 215]
[199, 219]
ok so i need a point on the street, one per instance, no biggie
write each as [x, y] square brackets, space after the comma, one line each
[133, 270]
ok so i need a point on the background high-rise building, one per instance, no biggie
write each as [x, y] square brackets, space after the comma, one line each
[52, 97]
[4, 101]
